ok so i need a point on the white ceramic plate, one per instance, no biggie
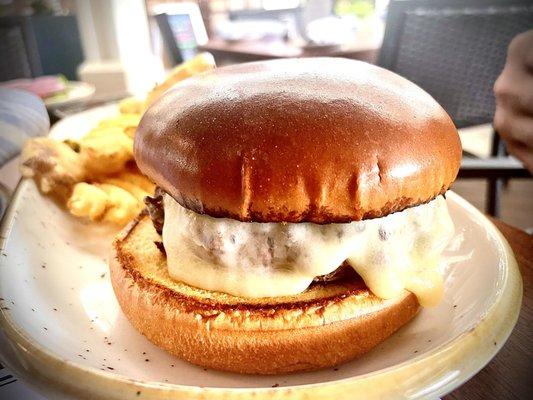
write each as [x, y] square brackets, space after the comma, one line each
[63, 330]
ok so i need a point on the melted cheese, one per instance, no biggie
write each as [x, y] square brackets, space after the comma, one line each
[397, 252]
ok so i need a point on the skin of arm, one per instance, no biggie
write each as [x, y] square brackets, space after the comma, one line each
[513, 89]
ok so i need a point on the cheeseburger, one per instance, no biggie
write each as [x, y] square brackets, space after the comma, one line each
[299, 218]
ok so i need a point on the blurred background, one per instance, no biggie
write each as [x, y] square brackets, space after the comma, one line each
[76, 54]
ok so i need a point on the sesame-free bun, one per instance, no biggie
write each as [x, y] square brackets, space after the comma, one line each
[326, 325]
[317, 140]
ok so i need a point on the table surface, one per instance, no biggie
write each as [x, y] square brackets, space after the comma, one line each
[508, 375]
[364, 46]
[281, 49]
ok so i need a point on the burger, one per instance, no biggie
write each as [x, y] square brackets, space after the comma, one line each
[300, 215]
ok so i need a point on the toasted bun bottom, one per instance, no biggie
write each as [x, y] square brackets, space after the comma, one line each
[326, 325]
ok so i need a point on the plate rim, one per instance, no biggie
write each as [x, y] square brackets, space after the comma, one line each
[28, 359]
[89, 88]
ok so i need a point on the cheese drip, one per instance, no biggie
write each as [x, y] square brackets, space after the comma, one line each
[249, 259]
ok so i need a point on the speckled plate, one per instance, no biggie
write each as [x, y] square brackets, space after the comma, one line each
[64, 333]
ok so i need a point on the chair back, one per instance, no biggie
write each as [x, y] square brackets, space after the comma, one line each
[454, 49]
[18, 49]
[169, 38]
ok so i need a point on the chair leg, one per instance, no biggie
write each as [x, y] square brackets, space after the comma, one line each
[499, 148]
[495, 186]
[494, 193]
[497, 144]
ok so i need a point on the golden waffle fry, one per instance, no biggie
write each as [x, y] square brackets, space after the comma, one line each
[103, 131]
[130, 131]
[196, 65]
[121, 121]
[122, 206]
[93, 175]
[137, 179]
[87, 201]
[135, 190]
[106, 154]
[131, 105]
[54, 166]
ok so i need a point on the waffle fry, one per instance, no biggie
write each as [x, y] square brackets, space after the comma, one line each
[87, 201]
[113, 200]
[93, 176]
[54, 166]
[133, 189]
[122, 206]
[137, 179]
[107, 154]
[200, 63]
[122, 121]
[131, 105]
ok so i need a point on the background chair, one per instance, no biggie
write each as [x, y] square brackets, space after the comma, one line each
[32, 46]
[169, 39]
[59, 44]
[455, 50]
[182, 29]
[20, 58]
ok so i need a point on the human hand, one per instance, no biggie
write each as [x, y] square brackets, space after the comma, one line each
[514, 99]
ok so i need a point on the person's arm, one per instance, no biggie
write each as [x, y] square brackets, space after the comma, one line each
[513, 89]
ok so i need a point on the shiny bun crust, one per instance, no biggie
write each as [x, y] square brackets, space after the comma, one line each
[318, 140]
[324, 326]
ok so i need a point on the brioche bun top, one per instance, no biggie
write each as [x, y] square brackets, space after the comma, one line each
[313, 139]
